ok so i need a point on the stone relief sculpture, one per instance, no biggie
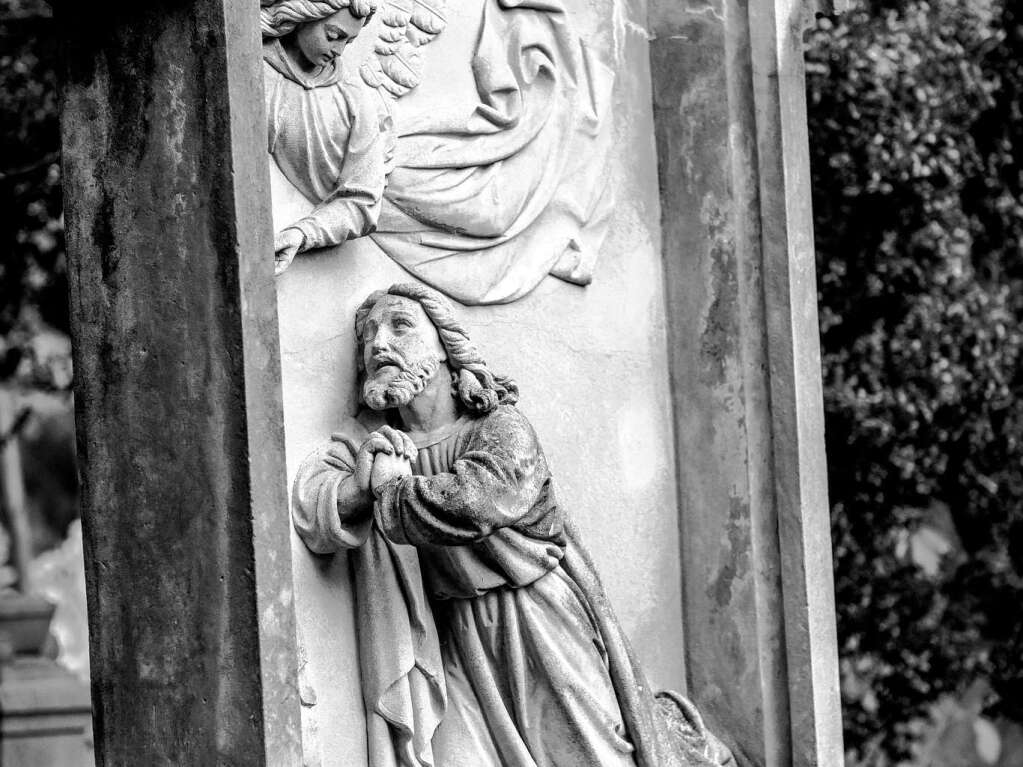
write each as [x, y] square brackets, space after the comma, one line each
[499, 182]
[329, 131]
[485, 638]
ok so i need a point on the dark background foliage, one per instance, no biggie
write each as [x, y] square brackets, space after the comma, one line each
[34, 351]
[33, 285]
[916, 148]
[915, 122]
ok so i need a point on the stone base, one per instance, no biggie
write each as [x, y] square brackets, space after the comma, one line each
[45, 715]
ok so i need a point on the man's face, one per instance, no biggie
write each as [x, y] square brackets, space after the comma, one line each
[323, 41]
[401, 351]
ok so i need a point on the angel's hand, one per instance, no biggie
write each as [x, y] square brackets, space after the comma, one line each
[287, 243]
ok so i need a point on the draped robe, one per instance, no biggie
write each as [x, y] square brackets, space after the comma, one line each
[328, 133]
[536, 671]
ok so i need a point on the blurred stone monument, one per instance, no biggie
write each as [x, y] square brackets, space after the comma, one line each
[45, 712]
[615, 195]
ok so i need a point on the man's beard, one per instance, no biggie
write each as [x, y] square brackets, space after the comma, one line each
[397, 384]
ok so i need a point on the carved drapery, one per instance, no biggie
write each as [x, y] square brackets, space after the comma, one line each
[484, 204]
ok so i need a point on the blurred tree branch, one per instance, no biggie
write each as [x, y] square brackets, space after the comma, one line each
[14, 174]
[16, 17]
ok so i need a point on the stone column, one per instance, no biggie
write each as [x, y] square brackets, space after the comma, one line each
[178, 384]
[729, 106]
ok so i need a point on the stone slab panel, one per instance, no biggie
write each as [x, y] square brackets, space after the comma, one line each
[591, 364]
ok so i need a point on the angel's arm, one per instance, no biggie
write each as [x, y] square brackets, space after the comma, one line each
[353, 208]
[394, 69]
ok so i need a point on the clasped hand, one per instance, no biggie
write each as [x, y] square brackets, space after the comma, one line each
[386, 455]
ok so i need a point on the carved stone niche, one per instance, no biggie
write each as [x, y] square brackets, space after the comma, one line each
[503, 153]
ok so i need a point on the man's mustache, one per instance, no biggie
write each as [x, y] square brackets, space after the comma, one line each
[380, 359]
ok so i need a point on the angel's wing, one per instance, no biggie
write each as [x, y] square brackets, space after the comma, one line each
[407, 25]
[426, 20]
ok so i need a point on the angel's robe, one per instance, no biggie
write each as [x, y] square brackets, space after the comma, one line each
[328, 133]
[500, 183]
[536, 669]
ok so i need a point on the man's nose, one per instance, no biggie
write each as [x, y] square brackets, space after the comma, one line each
[379, 343]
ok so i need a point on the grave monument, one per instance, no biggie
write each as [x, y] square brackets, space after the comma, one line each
[613, 193]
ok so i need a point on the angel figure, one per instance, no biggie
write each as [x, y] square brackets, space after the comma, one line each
[328, 124]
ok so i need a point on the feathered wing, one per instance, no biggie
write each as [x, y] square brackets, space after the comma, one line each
[426, 20]
[395, 67]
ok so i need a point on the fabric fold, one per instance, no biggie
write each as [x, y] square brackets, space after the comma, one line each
[483, 205]
[399, 655]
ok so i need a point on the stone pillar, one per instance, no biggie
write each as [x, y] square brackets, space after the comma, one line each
[729, 108]
[177, 372]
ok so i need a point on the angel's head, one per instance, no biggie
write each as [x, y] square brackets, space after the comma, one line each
[315, 32]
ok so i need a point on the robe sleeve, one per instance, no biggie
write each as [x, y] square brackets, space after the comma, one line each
[318, 512]
[353, 208]
[494, 484]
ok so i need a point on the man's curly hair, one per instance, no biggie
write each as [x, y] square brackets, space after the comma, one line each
[478, 389]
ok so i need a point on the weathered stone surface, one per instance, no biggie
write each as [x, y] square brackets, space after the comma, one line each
[797, 403]
[759, 616]
[177, 373]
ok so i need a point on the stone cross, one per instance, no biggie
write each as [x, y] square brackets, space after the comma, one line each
[178, 372]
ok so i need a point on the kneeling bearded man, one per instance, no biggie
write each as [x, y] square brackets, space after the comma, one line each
[485, 637]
